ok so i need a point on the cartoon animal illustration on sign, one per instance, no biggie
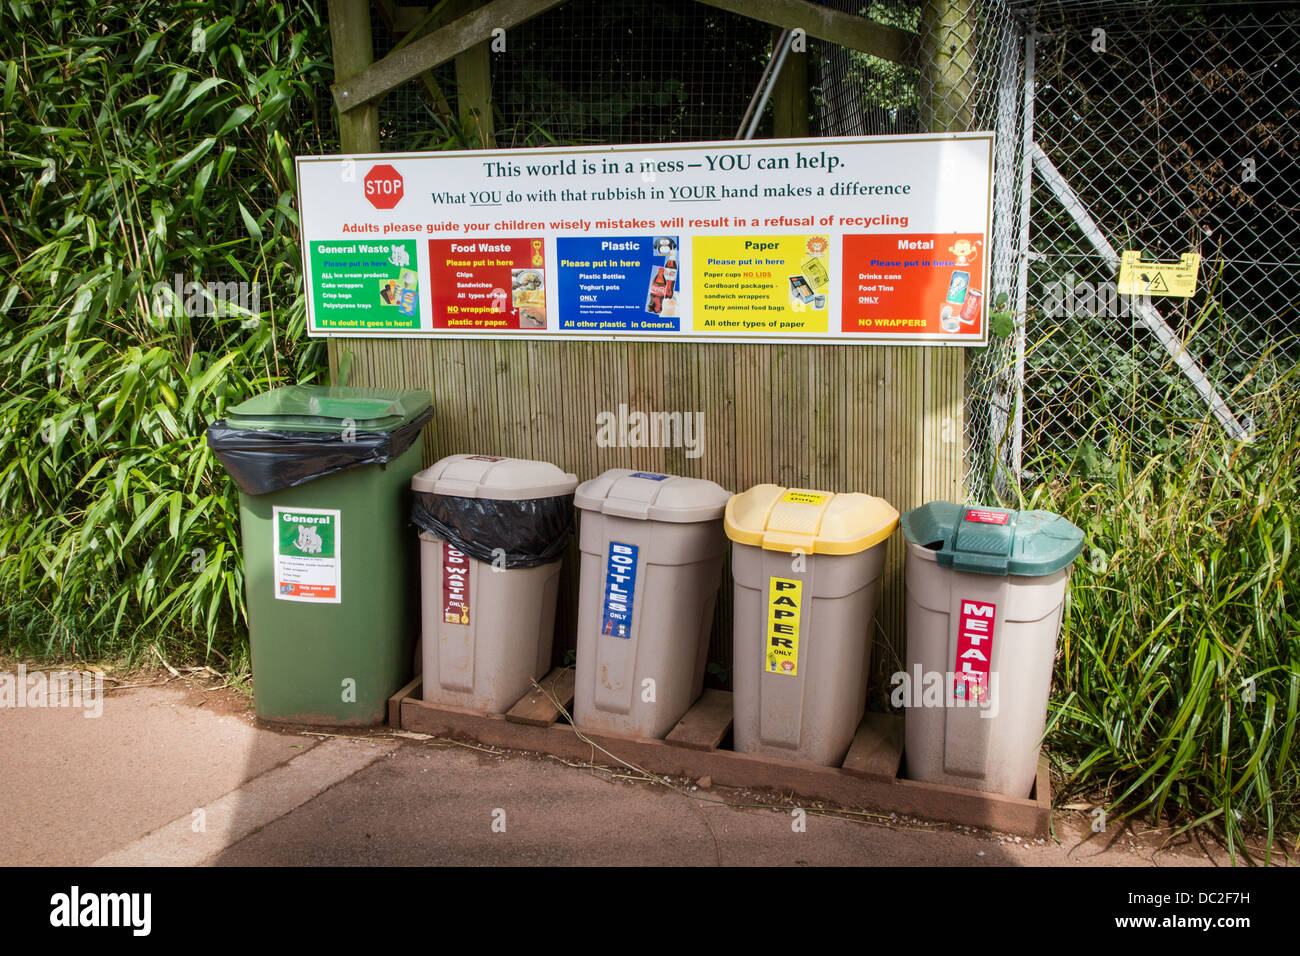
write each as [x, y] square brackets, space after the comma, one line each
[309, 540]
[963, 249]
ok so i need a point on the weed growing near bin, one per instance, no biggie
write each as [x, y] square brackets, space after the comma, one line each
[1178, 680]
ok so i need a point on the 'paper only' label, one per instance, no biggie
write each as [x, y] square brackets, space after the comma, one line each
[307, 547]
[974, 650]
[620, 589]
[799, 497]
[455, 585]
[783, 601]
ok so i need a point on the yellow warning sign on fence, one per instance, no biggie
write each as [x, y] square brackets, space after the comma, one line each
[1158, 278]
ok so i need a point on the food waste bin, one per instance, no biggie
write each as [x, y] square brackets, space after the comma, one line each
[985, 592]
[807, 568]
[323, 476]
[652, 552]
[493, 532]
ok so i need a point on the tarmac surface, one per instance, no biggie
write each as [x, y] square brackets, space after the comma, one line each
[180, 774]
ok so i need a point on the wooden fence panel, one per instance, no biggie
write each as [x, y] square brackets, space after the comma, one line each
[884, 420]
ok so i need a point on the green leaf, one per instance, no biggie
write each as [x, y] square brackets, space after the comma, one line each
[206, 86]
[250, 223]
[146, 50]
[236, 119]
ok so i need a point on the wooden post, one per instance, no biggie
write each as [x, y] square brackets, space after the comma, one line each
[948, 47]
[474, 80]
[948, 51]
[353, 51]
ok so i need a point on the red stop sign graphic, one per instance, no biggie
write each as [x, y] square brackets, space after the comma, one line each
[383, 186]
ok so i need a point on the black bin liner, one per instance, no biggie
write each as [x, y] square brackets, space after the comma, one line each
[266, 461]
[531, 531]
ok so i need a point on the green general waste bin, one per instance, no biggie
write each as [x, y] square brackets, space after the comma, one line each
[324, 475]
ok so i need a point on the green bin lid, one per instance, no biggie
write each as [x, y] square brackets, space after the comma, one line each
[993, 540]
[323, 408]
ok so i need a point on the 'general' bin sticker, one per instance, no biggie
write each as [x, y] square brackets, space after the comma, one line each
[620, 589]
[306, 560]
[783, 600]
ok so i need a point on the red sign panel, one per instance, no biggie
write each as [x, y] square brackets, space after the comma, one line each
[488, 283]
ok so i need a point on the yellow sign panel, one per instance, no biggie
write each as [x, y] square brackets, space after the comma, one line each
[1158, 278]
[783, 599]
[761, 284]
[805, 497]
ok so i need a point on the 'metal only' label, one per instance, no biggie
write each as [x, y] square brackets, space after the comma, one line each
[974, 650]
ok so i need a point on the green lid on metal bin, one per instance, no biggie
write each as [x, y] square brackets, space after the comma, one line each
[993, 540]
[323, 408]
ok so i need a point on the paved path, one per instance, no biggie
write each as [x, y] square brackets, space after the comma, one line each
[160, 778]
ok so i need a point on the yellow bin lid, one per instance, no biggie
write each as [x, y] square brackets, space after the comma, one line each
[815, 522]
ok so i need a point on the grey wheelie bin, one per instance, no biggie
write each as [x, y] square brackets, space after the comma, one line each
[985, 592]
[652, 552]
[493, 532]
[807, 567]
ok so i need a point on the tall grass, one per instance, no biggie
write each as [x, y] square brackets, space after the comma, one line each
[141, 141]
[1178, 679]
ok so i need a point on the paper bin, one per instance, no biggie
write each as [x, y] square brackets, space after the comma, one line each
[652, 552]
[323, 475]
[807, 568]
[493, 532]
[985, 592]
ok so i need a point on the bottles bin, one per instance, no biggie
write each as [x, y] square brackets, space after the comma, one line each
[985, 592]
[652, 552]
[493, 532]
[323, 475]
[807, 568]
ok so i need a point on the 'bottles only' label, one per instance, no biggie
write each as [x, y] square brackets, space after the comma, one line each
[620, 589]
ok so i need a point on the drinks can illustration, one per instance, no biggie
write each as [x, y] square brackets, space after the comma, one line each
[957, 286]
[970, 312]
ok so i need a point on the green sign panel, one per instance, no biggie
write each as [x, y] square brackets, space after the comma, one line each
[363, 284]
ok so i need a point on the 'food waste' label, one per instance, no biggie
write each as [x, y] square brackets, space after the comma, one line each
[455, 585]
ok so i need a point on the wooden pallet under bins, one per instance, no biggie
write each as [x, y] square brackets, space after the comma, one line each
[868, 778]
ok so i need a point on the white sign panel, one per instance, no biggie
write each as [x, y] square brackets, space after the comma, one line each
[843, 240]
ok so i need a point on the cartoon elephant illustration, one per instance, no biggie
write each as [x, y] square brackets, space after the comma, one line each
[309, 540]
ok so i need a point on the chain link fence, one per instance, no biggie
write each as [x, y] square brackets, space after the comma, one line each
[1174, 127]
